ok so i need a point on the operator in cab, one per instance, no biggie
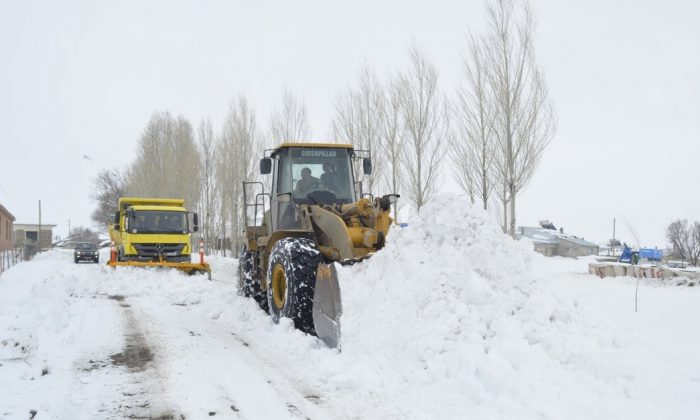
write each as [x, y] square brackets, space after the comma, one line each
[307, 183]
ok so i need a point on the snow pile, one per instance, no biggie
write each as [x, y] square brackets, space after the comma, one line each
[452, 317]
[451, 303]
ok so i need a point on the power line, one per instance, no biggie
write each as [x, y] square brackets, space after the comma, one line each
[8, 196]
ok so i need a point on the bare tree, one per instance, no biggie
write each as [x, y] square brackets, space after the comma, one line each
[109, 185]
[685, 239]
[473, 145]
[207, 152]
[393, 134]
[358, 119]
[696, 243]
[167, 163]
[235, 163]
[83, 234]
[290, 122]
[425, 119]
[525, 120]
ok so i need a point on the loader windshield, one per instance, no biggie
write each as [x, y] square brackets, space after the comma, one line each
[323, 173]
[157, 221]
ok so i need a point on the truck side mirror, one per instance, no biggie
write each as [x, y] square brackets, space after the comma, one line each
[265, 166]
[195, 222]
[116, 217]
[367, 166]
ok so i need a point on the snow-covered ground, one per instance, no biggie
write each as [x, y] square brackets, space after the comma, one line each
[451, 320]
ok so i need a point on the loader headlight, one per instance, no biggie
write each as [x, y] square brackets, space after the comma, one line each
[386, 201]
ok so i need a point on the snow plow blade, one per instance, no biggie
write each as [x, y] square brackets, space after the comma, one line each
[327, 305]
[189, 268]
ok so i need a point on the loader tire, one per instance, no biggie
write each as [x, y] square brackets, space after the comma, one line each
[291, 278]
[249, 279]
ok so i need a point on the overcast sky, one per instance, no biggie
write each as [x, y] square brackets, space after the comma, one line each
[80, 80]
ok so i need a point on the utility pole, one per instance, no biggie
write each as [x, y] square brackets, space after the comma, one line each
[613, 247]
[68, 228]
[38, 235]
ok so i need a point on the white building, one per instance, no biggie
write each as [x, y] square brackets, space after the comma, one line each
[551, 242]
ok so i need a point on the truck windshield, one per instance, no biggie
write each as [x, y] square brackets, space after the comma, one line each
[157, 221]
[316, 174]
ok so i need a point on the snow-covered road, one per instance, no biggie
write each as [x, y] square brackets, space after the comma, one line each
[446, 322]
[86, 341]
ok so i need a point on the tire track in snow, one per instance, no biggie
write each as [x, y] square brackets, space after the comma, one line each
[237, 377]
[144, 394]
[283, 384]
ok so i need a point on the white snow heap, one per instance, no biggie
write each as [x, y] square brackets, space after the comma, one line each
[450, 260]
[448, 302]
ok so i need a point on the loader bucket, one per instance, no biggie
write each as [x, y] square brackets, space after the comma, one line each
[327, 305]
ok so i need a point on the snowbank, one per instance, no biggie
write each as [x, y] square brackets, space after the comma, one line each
[451, 304]
[452, 318]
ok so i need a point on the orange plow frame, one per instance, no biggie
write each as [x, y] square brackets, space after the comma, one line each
[189, 268]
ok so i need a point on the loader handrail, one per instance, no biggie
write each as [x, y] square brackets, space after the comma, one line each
[260, 196]
[257, 203]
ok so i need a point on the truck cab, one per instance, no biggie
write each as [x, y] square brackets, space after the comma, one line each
[153, 229]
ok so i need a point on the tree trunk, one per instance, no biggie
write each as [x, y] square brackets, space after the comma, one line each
[513, 191]
[505, 209]
[484, 189]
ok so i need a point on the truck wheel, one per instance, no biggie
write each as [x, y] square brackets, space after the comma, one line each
[291, 278]
[249, 279]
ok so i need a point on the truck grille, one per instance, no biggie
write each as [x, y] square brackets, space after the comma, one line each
[153, 250]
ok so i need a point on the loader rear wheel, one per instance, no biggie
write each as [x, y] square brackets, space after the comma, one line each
[291, 278]
[249, 279]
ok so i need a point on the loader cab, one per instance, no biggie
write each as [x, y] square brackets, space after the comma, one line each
[309, 174]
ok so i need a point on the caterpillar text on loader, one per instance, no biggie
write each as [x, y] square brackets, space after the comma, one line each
[316, 215]
[155, 232]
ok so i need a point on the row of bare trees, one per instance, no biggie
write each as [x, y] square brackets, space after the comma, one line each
[504, 118]
[403, 122]
[495, 130]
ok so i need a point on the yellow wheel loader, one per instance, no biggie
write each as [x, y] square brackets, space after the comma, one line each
[314, 215]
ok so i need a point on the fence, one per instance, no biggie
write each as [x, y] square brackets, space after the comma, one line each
[9, 258]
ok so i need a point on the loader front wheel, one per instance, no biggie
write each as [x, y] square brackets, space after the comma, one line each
[291, 280]
[249, 279]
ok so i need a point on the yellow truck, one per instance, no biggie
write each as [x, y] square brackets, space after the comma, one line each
[154, 232]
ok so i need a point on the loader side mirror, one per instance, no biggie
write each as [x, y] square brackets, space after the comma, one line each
[367, 166]
[265, 166]
[116, 217]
